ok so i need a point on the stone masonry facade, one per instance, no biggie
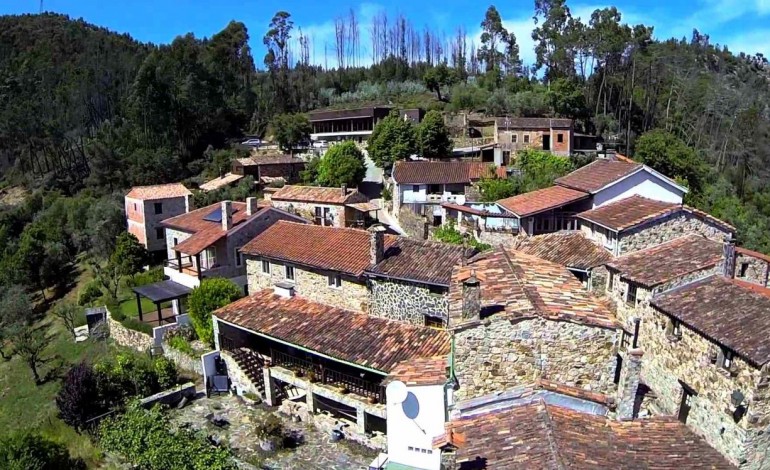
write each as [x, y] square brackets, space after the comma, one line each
[671, 361]
[306, 210]
[501, 353]
[312, 285]
[751, 269]
[406, 302]
[667, 229]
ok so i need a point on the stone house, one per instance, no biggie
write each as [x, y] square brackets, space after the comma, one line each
[330, 207]
[516, 318]
[552, 134]
[269, 168]
[752, 266]
[700, 339]
[636, 223]
[547, 210]
[147, 206]
[205, 242]
[422, 186]
[409, 281]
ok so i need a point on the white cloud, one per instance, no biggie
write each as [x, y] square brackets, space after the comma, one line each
[750, 42]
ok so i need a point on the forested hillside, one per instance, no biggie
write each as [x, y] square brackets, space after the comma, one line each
[85, 109]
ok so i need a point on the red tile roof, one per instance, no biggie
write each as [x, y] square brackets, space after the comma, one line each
[532, 123]
[421, 172]
[337, 249]
[542, 200]
[258, 160]
[423, 371]
[522, 285]
[567, 248]
[428, 262]
[193, 221]
[629, 212]
[318, 194]
[753, 254]
[669, 261]
[479, 212]
[724, 310]
[357, 338]
[541, 436]
[598, 174]
[158, 191]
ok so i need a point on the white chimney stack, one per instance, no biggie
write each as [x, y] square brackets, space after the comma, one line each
[227, 215]
[251, 206]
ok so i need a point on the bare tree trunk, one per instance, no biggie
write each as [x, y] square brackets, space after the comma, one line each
[630, 107]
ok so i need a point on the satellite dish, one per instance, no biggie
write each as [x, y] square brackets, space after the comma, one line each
[396, 392]
[411, 406]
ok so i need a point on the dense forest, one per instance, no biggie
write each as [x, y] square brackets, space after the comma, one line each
[86, 113]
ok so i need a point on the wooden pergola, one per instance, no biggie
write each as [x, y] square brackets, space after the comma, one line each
[158, 293]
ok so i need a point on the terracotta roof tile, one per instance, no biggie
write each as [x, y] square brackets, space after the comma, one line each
[422, 371]
[727, 311]
[533, 123]
[337, 249]
[318, 194]
[668, 261]
[753, 254]
[356, 338]
[158, 191]
[567, 248]
[220, 182]
[522, 285]
[420, 172]
[194, 221]
[541, 436]
[258, 160]
[598, 174]
[418, 260]
[542, 200]
[629, 212]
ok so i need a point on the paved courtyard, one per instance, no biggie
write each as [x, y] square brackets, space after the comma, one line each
[316, 452]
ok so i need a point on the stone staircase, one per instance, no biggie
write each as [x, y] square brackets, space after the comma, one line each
[251, 364]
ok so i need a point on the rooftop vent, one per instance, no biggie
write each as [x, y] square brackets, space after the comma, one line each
[284, 289]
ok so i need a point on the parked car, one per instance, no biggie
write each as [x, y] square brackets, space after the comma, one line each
[252, 142]
[320, 144]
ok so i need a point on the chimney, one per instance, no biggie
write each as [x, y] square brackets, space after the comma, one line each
[629, 382]
[729, 256]
[471, 298]
[344, 190]
[227, 215]
[251, 205]
[284, 289]
[187, 203]
[376, 243]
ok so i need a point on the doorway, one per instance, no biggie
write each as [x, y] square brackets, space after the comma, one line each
[686, 404]
[546, 142]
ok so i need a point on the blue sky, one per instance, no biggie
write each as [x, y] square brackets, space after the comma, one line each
[741, 24]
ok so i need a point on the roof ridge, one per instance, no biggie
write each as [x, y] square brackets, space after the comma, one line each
[553, 445]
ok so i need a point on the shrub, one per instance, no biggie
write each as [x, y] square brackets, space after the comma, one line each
[146, 277]
[146, 439]
[136, 325]
[33, 452]
[166, 372]
[129, 375]
[210, 295]
[180, 344]
[89, 293]
[269, 427]
[80, 398]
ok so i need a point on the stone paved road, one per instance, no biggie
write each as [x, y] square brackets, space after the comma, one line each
[316, 453]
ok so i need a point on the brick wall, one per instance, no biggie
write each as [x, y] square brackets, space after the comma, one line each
[503, 353]
[312, 285]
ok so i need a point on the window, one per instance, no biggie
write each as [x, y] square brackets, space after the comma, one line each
[323, 216]
[238, 257]
[435, 189]
[335, 281]
[265, 266]
[158, 207]
[289, 273]
[725, 359]
[514, 138]
[560, 138]
[673, 329]
[744, 268]
[134, 206]
[434, 322]
[526, 138]
[631, 295]
[610, 282]
[415, 188]
[210, 258]
[160, 234]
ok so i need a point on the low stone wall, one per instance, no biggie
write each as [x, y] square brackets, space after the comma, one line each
[171, 396]
[497, 238]
[127, 337]
[406, 302]
[238, 379]
[326, 423]
[182, 360]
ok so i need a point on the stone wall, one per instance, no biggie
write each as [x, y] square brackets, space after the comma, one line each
[171, 208]
[751, 269]
[669, 361]
[499, 238]
[406, 302]
[179, 236]
[312, 285]
[414, 225]
[182, 360]
[500, 354]
[127, 337]
[598, 280]
[238, 379]
[667, 229]
[306, 210]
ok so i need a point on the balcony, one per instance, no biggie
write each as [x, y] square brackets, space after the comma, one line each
[187, 270]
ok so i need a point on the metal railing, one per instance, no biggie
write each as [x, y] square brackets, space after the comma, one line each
[328, 376]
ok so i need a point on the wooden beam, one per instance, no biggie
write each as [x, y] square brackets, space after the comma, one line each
[160, 314]
[139, 305]
[198, 262]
